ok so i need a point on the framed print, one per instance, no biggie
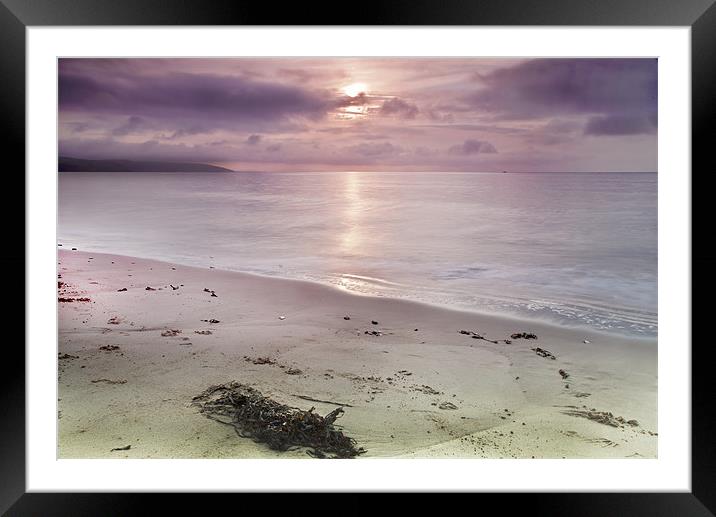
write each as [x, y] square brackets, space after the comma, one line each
[424, 249]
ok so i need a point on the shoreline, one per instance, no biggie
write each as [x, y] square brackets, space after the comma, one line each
[526, 319]
[508, 401]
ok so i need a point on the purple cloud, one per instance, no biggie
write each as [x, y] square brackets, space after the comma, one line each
[79, 127]
[178, 95]
[619, 125]
[189, 131]
[472, 147]
[399, 108]
[415, 114]
[546, 87]
[132, 124]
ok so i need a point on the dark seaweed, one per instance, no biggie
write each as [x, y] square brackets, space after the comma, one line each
[281, 427]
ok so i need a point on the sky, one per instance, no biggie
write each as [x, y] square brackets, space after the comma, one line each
[392, 114]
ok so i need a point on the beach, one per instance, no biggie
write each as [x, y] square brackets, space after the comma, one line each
[139, 338]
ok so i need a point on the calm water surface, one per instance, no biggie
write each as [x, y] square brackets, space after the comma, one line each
[578, 249]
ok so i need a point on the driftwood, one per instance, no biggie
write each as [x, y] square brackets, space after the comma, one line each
[281, 427]
[602, 417]
[304, 397]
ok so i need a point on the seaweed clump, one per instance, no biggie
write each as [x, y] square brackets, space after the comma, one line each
[281, 427]
[603, 417]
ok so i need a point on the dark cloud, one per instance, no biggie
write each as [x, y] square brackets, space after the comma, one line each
[132, 124]
[79, 127]
[619, 125]
[399, 108]
[253, 139]
[545, 87]
[560, 126]
[472, 147]
[195, 96]
[189, 131]
[542, 139]
[345, 101]
[273, 148]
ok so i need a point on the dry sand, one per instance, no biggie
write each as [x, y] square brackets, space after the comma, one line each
[508, 401]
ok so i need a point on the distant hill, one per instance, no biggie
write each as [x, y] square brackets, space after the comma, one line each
[67, 164]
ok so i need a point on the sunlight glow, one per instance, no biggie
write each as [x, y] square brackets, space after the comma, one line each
[355, 89]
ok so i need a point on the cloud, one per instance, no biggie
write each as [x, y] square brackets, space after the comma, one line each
[374, 150]
[440, 116]
[556, 131]
[298, 74]
[619, 125]
[130, 126]
[399, 108]
[470, 146]
[345, 101]
[192, 96]
[416, 114]
[422, 150]
[305, 75]
[79, 127]
[189, 131]
[561, 126]
[548, 87]
[486, 128]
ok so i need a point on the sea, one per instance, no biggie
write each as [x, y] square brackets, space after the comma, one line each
[576, 249]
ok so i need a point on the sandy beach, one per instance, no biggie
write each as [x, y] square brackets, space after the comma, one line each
[139, 338]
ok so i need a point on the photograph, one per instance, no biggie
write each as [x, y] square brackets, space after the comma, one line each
[357, 257]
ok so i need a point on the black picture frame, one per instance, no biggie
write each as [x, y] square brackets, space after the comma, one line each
[700, 15]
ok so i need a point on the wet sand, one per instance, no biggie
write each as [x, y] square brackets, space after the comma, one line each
[419, 388]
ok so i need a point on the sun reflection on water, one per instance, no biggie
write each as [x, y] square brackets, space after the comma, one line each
[353, 206]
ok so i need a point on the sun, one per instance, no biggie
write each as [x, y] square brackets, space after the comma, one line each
[355, 89]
